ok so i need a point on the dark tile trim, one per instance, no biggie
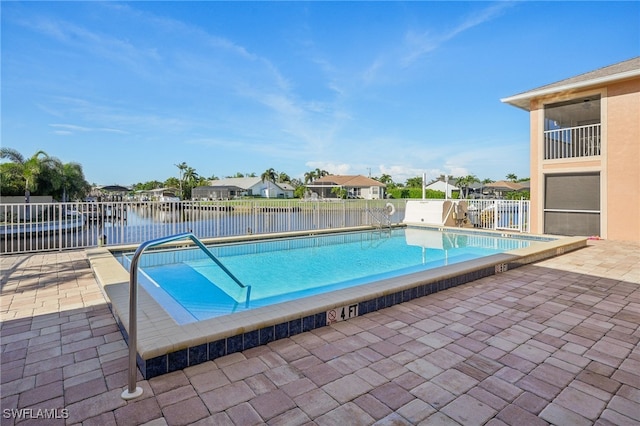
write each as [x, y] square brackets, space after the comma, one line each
[195, 355]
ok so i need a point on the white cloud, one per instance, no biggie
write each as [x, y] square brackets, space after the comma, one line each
[455, 170]
[400, 172]
[419, 44]
[332, 168]
[69, 129]
[370, 73]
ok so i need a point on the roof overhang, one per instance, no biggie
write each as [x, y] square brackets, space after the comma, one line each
[523, 100]
[114, 188]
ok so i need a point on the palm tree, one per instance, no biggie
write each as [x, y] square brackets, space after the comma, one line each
[283, 177]
[181, 168]
[471, 179]
[12, 155]
[67, 180]
[29, 168]
[386, 179]
[465, 182]
[309, 177]
[321, 173]
[512, 177]
[441, 178]
[201, 181]
[269, 176]
[72, 180]
[190, 177]
[171, 182]
[414, 182]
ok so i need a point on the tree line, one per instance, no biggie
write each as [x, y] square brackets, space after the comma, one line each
[42, 174]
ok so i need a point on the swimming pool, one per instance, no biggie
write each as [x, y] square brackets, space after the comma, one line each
[191, 287]
[167, 344]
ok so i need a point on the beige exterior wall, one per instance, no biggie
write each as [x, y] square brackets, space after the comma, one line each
[537, 180]
[618, 164]
[623, 161]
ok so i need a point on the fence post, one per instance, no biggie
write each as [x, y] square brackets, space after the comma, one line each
[60, 228]
[344, 214]
[520, 215]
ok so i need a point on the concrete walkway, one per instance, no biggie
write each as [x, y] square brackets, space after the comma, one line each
[550, 343]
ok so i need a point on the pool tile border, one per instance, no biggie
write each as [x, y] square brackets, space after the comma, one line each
[171, 362]
[174, 347]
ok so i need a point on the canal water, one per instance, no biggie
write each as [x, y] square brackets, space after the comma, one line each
[128, 223]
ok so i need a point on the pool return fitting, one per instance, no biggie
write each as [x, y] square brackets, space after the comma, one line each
[134, 391]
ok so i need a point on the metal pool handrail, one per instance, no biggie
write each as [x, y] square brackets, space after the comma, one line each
[132, 390]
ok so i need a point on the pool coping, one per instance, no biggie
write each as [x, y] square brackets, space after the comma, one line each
[165, 346]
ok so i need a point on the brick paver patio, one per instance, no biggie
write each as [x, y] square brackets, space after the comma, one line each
[551, 343]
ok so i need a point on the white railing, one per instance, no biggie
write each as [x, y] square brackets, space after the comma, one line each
[56, 226]
[572, 142]
[508, 215]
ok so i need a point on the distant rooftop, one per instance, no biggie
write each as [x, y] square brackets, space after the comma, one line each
[619, 71]
[246, 183]
[243, 182]
[346, 180]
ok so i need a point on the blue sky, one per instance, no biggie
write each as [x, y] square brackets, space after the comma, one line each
[131, 89]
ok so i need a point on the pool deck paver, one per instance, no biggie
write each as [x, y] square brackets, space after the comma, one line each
[556, 342]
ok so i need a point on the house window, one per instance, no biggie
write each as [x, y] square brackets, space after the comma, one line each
[572, 128]
[572, 204]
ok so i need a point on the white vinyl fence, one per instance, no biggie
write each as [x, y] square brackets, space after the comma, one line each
[55, 226]
[506, 215]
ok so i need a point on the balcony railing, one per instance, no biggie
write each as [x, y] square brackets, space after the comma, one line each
[572, 142]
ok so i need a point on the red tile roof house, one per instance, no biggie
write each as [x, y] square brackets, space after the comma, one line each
[585, 153]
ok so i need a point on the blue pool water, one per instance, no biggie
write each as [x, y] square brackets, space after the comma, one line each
[192, 287]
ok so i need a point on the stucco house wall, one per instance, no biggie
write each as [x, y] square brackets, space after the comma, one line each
[623, 161]
[254, 186]
[619, 161]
